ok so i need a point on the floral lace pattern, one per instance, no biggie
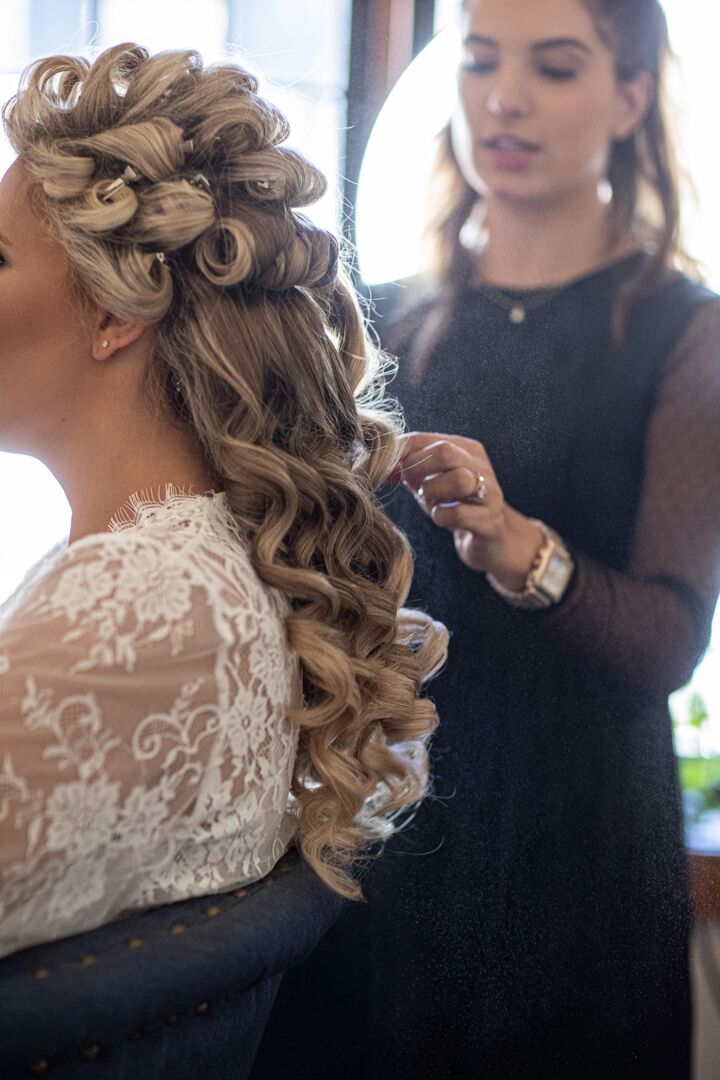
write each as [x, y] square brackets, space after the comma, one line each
[145, 749]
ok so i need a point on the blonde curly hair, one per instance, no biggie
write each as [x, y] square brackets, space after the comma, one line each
[261, 347]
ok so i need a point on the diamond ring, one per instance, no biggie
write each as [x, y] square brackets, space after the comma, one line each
[479, 494]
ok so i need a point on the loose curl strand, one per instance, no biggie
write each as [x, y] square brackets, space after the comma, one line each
[260, 346]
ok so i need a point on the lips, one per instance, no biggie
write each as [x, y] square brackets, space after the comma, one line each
[510, 144]
[510, 154]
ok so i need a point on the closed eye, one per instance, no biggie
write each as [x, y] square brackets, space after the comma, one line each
[479, 67]
[558, 74]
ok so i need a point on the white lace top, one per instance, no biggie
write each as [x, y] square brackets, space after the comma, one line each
[145, 750]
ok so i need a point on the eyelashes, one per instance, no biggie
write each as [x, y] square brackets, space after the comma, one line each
[478, 67]
[558, 74]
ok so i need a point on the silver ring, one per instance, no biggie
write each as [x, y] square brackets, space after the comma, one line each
[479, 494]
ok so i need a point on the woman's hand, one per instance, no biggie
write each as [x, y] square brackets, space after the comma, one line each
[443, 472]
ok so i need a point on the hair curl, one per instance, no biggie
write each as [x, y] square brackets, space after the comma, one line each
[261, 347]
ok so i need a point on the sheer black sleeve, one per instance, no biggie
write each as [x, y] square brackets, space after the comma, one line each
[653, 623]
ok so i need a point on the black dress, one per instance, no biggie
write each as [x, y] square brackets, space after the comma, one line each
[532, 920]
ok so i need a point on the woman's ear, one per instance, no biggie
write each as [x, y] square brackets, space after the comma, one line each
[112, 334]
[634, 99]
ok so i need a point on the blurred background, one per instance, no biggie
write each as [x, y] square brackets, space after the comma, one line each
[366, 85]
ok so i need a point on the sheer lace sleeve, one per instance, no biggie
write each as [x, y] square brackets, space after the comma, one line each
[145, 752]
[653, 623]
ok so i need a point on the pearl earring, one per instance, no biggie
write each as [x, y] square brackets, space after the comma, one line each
[105, 344]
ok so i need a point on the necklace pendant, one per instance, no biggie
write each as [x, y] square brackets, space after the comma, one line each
[517, 314]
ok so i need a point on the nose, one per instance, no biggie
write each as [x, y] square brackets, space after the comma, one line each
[507, 98]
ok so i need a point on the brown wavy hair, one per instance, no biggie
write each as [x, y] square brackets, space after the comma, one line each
[643, 173]
[261, 347]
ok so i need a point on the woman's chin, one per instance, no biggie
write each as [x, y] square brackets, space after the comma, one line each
[522, 193]
[12, 442]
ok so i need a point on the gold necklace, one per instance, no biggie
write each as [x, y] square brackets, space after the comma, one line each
[518, 307]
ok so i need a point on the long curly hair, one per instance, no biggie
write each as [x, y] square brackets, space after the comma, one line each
[643, 173]
[260, 346]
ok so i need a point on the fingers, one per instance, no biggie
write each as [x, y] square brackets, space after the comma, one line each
[431, 456]
[416, 443]
[442, 472]
[481, 522]
[395, 476]
[455, 484]
[426, 459]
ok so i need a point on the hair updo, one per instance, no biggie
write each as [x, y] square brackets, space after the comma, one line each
[177, 206]
[209, 181]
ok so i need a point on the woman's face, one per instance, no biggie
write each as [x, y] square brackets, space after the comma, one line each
[45, 340]
[539, 104]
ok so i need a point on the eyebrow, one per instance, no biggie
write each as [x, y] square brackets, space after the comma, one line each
[550, 43]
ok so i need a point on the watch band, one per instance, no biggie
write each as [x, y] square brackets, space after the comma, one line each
[548, 578]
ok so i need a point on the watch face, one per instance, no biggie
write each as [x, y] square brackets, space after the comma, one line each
[556, 576]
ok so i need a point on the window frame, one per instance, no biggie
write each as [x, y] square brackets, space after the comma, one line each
[385, 36]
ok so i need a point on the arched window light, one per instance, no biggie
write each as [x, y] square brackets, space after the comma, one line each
[390, 214]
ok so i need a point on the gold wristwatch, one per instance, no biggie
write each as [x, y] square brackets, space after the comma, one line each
[549, 575]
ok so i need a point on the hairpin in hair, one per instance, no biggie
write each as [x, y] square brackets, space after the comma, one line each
[128, 176]
[201, 182]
